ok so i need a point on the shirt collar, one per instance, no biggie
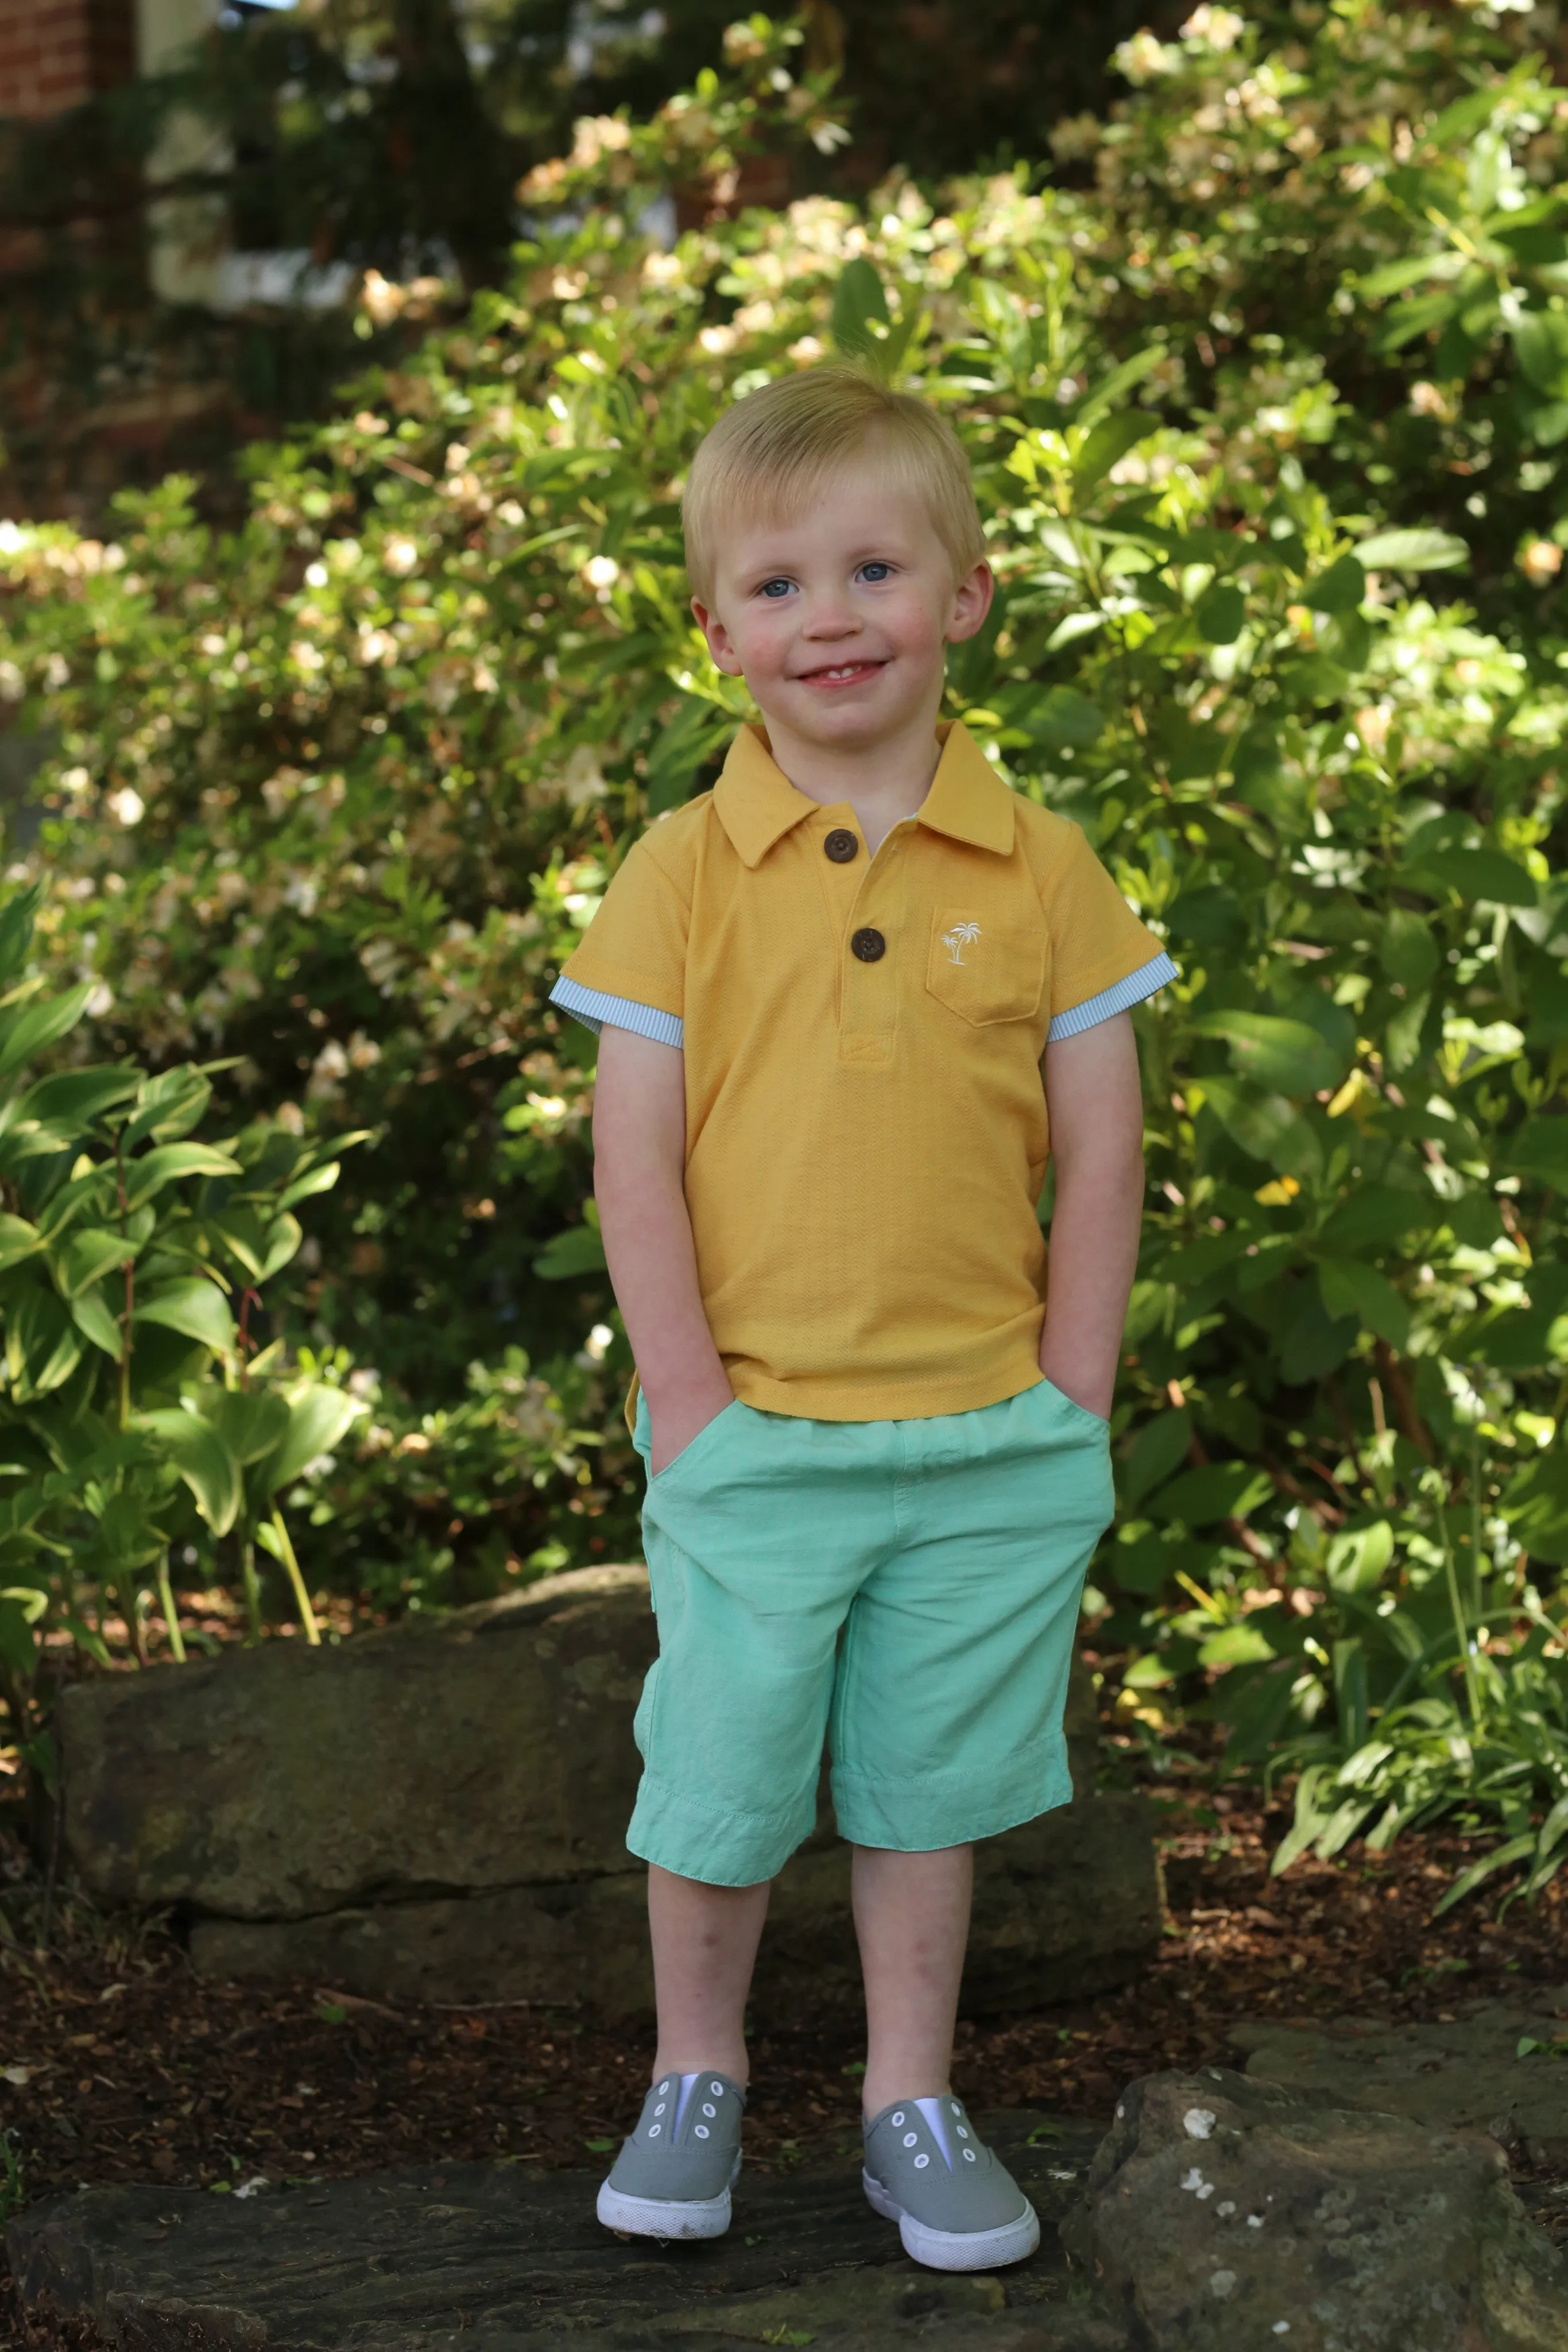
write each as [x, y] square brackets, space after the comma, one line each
[756, 804]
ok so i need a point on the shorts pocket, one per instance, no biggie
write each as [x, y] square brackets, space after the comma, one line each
[693, 1453]
[1093, 1425]
[982, 970]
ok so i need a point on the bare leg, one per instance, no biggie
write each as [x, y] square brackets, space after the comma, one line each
[705, 1947]
[912, 1915]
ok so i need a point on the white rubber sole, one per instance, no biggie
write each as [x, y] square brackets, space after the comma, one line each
[956, 2250]
[672, 2218]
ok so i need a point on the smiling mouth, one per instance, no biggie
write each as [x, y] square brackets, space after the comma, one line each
[841, 673]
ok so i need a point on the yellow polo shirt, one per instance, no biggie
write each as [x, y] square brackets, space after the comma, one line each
[866, 1133]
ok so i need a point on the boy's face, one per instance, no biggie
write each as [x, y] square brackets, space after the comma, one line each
[839, 619]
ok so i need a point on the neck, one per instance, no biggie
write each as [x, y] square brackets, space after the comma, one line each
[883, 781]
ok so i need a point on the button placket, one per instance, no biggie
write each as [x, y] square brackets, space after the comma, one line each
[869, 952]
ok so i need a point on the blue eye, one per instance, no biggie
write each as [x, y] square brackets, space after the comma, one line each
[775, 589]
[876, 571]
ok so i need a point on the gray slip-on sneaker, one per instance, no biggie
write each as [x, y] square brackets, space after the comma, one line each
[674, 2172]
[958, 2209]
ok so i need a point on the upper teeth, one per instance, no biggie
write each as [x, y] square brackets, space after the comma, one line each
[848, 670]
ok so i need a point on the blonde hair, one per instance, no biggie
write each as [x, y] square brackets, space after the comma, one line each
[772, 452]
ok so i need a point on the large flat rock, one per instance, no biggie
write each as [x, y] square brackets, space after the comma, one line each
[1464, 2071]
[495, 2258]
[439, 1811]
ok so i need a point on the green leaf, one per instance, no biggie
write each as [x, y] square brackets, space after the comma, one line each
[577, 1251]
[1358, 1559]
[1408, 951]
[202, 1460]
[1266, 1126]
[1541, 346]
[314, 1180]
[17, 1645]
[1475, 874]
[93, 1317]
[1236, 1645]
[1109, 442]
[16, 920]
[88, 1257]
[19, 1240]
[32, 1028]
[1287, 1055]
[1219, 1490]
[1221, 614]
[1063, 718]
[1513, 1849]
[1120, 380]
[317, 1422]
[147, 1176]
[196, 1308]
[1155, 1453]
[167, 1106]
[1540, 1148]
[43, 1347]
[1313, 1342]
[1341, 589]
[71, 1100]
[1350, 1288]
[859, 303]
[253, 1423]
[1412, 551]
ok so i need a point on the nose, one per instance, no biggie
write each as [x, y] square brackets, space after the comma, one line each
[830, 615]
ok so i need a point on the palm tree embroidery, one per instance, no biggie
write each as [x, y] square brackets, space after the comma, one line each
[962, 935]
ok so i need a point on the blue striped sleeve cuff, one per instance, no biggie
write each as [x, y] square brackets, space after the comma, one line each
[1111, 1000]
[594, 1009]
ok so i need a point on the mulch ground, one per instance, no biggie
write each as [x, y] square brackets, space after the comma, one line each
[118, 2064]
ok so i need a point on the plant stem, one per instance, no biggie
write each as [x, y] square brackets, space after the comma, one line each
[132, 1615]
[252, 1588]
[1472, 1687]
[170, 1614]
[291, 1566]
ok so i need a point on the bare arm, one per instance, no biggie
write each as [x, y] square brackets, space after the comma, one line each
[1096, 1110]
[639, 1181]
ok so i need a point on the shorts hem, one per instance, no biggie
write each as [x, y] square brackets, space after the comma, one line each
[915, 1817]
[718, 1849]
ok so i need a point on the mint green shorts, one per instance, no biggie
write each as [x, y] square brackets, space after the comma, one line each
[908, 1589]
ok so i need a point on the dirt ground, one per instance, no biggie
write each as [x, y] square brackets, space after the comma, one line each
[118, 2064]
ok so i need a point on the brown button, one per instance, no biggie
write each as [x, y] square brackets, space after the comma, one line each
[842, 845]
[868, 945]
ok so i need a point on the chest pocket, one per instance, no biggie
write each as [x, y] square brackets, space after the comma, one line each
[984, 969]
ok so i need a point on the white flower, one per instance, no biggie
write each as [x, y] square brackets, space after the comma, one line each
[1144, 57]
[76, 780]
[1217, 28]
[601, 571]
[400, 555]
[128, 806]
[317, 576]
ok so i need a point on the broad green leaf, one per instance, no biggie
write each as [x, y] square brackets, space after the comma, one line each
[1513, 1849]
[1540, 1148]
[1341, 589]
[1061, 716]
[167, 1106]
[19, 1240]
[203, 1461]
[34, 1027]
[1412, 551]
[1236, 1645]
[18, 1645]
[859, 303]
[1350, 1288]
[1121, 381]
[317, 1421]
[577, 1251]
[1286, 1057]
[1265, 1125]
[253, 1423]
[1313, 1341]
[88, 1257]
[192, 1305]
[1109, 442]
[1475, 874]
[1540, 347]
[1160, 1445]
[74, 1100]
[315, 1179]
[1220, 1490]
[16, 920]
[146, 1177]
[1357, 1559]
[1221, 614]
[1408, 951]
[91, 1314]
[43, 1347]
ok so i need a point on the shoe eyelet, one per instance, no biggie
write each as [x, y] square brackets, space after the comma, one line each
[897, 2119]
[709, 2107]
[969, 2156]
[664, 2090]
[958, 2110]
[654, 2130]
[717, 2090]
[911, 2139]
[962, 2133]
[921, 2162]
[659, 2108]
[702, 2131]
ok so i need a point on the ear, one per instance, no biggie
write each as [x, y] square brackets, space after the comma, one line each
[971, 602]
[718, 635]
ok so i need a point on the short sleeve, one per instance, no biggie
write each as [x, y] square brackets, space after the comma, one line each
[1104, 959]
[629, 968]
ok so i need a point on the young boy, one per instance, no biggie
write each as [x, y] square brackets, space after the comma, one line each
[849, 1001]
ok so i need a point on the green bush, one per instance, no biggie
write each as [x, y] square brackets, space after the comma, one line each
[1271, 474]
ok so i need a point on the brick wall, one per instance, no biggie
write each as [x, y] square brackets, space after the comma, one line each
[55, 53]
